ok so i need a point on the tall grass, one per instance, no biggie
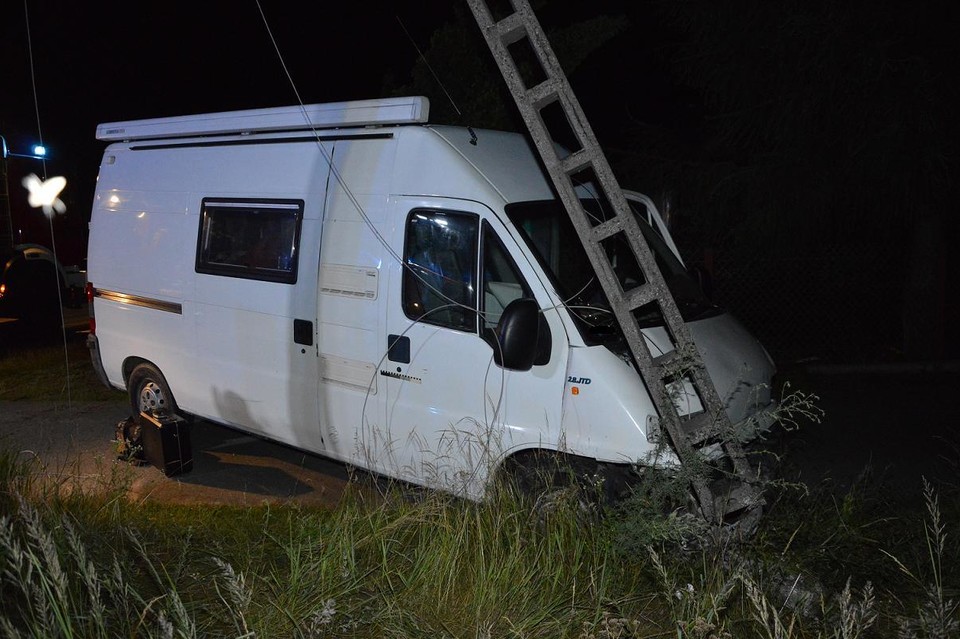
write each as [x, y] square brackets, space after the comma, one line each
[371, 567]
[16, 476]
[936, 615]
[439, 566]
[86, 565]
[90, 563]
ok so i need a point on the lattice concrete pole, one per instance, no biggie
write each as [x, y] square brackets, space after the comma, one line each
[522, 23]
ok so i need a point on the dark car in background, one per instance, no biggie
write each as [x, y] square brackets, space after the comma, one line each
[34, 285]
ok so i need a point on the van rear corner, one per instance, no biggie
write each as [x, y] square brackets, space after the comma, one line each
[93, 343]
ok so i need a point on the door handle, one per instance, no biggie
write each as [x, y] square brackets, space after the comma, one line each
[398, 349]
[303, 332]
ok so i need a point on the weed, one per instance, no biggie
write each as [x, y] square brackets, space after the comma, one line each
[937, 616]
[17, 472]
[51, 586]
[696, 610]
[235, 596]
[610, 626]
[660, 507]
[855, 616]
[849, 617]
[767, 617]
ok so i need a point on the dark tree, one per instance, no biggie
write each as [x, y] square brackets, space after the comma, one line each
[773, 127]
[459, 75]
[826, 123]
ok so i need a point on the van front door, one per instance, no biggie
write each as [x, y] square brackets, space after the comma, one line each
[451, 412]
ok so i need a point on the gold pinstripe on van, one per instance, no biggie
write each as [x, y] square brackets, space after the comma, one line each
[137, 300]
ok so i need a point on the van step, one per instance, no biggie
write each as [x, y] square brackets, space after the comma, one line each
[521, 33]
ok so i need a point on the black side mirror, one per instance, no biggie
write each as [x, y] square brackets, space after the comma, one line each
[517, 335]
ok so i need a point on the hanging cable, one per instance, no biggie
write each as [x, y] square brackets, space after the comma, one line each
[53, 239]
[369, 223]
[430, 68]
[339, 178]
[33, 82]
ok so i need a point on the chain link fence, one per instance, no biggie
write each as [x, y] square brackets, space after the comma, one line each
[836, 304]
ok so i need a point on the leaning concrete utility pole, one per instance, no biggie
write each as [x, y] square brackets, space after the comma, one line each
[542, 94]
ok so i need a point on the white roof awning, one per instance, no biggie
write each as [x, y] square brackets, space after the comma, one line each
[334, 115]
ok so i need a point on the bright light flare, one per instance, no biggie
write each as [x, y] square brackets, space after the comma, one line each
[45, 193]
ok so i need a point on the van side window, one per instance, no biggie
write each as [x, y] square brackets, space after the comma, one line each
[251, 239]
[440, 268]
[502, 282]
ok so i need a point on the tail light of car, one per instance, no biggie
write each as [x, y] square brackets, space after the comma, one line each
[89, 290]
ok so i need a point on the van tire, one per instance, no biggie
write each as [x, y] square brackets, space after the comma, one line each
[149, 392]
[550, 482]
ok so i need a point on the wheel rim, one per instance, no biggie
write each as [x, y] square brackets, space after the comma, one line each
[152, 399]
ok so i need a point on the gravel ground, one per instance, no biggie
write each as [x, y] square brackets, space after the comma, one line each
[75, 446]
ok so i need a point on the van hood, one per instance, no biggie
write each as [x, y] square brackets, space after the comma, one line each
[738, 364]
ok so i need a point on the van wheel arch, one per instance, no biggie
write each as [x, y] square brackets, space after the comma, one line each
[128, 365]
[539, 475]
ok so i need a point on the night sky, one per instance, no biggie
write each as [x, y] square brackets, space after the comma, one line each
[107, 61]
[767, 145]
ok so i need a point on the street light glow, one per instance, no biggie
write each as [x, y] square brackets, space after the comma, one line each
[37, 151]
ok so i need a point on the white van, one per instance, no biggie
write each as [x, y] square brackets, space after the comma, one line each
[349, 280]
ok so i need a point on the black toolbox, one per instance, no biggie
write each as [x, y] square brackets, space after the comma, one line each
[166, 443]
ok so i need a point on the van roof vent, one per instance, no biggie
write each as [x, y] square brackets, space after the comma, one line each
[333, 115]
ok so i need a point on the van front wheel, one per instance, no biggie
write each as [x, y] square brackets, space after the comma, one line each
[552, 482]
[149, 392]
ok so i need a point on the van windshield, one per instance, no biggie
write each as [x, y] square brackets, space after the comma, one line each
[550, 235]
